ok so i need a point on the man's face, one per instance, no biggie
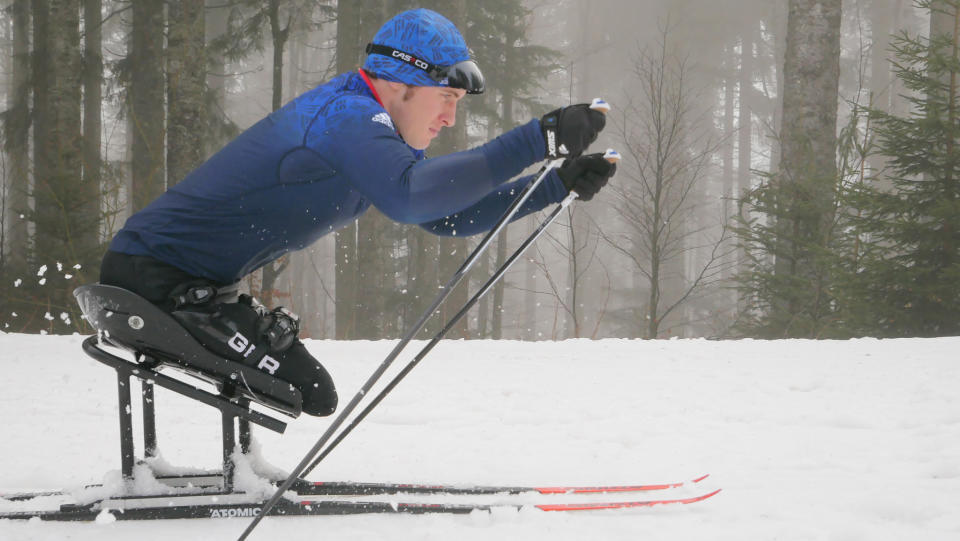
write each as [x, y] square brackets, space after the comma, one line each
[421, 112]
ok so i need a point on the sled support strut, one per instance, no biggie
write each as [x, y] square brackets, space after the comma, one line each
[235, 412]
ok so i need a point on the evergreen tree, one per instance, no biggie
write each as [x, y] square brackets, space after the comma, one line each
[906, 280]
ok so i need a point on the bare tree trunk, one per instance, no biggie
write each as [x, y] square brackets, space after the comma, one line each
[942, 15]
[530, 286]
[483, 310]
[484, 324]
[811, 82]
[65, 235]
[16, 140]
[498, 289]
[454, 250]
[506, 123]
[271, 271]
[807, 170]
[41, 95]
[744, 138]
[280, 34]
[297, 58]
[216, 20]
[423, 276]
[881, 19]
[147, 104]
[729, 127]
[347, 287]
[592, 33]
[347, 260]
[745, 117]
[727, 203]
[496, 319]
[92, 98]
[186, 85]
[779, 24]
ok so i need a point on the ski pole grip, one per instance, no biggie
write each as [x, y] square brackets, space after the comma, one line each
[598, 104]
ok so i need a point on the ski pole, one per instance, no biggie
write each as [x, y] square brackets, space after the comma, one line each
[514, 207]
[385, 364]
[612, 156]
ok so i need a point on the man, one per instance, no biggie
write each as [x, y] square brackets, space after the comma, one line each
[317, 164]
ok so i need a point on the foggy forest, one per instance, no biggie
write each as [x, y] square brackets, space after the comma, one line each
[789, 167]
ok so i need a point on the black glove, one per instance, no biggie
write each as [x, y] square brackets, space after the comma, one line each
[568, 131]
[586, 175]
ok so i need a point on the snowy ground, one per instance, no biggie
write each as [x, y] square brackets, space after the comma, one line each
[853, 440]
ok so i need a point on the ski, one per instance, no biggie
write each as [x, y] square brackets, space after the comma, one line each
[367, 489]
[238, 505]
[597, 506]
[198, 481]
[23, 496]
[351, 488]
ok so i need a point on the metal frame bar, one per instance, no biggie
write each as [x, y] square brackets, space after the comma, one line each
[234, 411]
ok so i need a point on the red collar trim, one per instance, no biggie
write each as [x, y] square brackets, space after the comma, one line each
[370, 86]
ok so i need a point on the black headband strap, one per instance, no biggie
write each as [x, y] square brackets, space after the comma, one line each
[432, 69]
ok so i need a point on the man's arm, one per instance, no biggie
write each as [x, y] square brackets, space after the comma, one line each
[384, 170]
[586, 175]
[481, 216]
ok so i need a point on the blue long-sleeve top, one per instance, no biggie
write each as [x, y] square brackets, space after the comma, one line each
[313, 167]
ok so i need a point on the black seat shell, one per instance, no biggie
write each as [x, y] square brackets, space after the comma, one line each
[126, 320]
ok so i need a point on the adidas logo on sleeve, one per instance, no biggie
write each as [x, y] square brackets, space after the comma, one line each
[384, 119]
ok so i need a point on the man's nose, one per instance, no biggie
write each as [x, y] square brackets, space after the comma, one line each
[449, 115]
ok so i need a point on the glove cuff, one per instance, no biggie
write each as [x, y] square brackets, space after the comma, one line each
[549, 124]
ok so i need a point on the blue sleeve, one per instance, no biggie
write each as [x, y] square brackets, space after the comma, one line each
[484, 214]
[382, 168]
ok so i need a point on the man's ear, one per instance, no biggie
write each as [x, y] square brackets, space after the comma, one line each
[395, 87]
[389, 90]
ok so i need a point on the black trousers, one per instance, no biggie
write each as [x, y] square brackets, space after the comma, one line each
[222, 324]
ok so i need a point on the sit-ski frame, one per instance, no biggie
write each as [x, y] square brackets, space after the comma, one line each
[235, 410]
